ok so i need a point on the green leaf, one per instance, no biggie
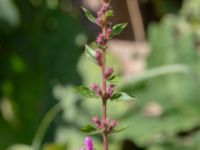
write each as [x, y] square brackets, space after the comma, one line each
[89, 129]
[122, 96]
[85, 92]
[110, 13]
[154, 73]
[114, 79]
[90, 53]
[117, 29]
[119, 129]
[89, 15]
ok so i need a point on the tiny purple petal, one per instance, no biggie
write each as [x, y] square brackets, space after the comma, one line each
[109, 72]
[100, 39]
[108, 33]
[96, 88]
[98, 57]
[110, 90]
[113, 124]
[96, 121]
[89, 143]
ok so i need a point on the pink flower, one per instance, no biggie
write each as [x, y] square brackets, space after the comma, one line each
[89, 143]
[110, 90]
[100, 39]
[102, 12]
[96, 121]
[108, 33]
[98, 57]
[108, 72]
[96, 88]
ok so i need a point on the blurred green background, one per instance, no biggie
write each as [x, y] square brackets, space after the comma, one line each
[41, 47]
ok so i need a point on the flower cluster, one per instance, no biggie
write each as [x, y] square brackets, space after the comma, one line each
[98, 91]
[101, 14]
[105, 124]
[88, 144]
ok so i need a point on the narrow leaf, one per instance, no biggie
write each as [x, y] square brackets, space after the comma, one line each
[114, 79]
[90, 53]
[119, 130]
[89, 129]
[117, 29]
[89, 15]
[122, 96]
[85, 92]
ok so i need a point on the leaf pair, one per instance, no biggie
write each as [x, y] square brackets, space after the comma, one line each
[116, 29]
[89, 129]
[118, 96]
[85, 92]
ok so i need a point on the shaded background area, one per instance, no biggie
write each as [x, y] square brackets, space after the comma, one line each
[41, 59]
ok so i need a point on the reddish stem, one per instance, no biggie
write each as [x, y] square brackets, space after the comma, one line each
[104, 99]
[104, 85]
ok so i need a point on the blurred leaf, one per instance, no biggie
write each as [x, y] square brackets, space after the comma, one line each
[85, 92]
[54, 146]
[91, 130]
[89, 15]
[90, 53]
[118, 130]
[110, 13]
[9, 12]
[122, 96]
[115, 79]
[117, 29]
[154, 73]
[20, 147]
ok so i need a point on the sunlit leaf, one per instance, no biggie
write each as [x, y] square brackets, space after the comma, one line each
[110, 13]
[85, 92]
[90, 53]
[89, 15]
[117, 29]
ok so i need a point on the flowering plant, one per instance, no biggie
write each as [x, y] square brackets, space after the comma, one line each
[107, 91]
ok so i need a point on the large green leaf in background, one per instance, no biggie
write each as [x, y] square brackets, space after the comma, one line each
[175, 97]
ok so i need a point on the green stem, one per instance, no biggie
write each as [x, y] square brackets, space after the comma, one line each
[40, 133]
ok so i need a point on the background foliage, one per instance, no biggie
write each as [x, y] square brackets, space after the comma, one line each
[41, 59]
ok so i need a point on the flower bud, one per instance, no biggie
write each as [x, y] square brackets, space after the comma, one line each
[113, 124]
[108, 72]
[110, 90]
[105, 123]
[108, 33]
[96, 88]
[105, 7]
[99, 21]
[96, 121]
[98, 57]
[100, 39]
